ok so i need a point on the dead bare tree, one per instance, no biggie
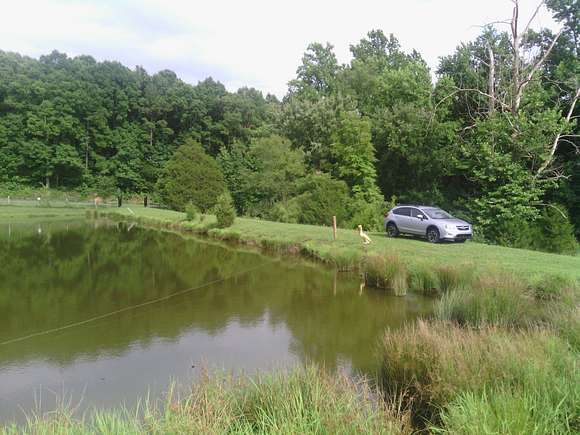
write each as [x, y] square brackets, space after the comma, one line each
[522, 76]
[491, 79]
[559, 137]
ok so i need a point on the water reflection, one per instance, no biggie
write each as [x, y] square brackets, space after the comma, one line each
[257, 312]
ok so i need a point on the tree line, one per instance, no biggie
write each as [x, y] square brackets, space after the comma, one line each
[494, 139]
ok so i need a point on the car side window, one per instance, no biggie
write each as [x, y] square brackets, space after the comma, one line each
[403, 211]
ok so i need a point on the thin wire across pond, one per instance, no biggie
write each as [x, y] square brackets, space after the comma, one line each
[132, 307]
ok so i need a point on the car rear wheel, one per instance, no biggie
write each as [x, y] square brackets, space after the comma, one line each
[392, 230]
[433, 235]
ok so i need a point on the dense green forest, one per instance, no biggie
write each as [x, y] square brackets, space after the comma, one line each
[494, 138]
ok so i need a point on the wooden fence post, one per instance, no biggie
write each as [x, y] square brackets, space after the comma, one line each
[334, 227]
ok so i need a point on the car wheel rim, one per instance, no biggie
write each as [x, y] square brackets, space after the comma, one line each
[432, 236]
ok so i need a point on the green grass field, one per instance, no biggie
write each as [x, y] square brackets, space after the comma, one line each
[525, 263]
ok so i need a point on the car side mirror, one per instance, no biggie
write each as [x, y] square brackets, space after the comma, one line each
[420, 216]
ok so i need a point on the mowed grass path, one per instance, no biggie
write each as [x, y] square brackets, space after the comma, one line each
[414, 251]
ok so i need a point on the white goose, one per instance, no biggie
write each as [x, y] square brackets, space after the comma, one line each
[365, 238]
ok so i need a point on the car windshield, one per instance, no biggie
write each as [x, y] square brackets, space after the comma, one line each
[437, 213]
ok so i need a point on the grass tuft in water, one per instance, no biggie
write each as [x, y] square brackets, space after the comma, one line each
[387, 271]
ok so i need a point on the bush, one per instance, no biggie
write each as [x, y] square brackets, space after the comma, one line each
[191, 176]
[368, 211]
[556, 230]
[224, 210]
[322, 198]
[551, 231]
[191, 212]
[286, 211]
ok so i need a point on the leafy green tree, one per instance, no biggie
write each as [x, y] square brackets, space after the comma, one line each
[317, 74]
[310, 124]
[235, 163]
[120, 123]
[261, 174]
[354, 155]
[191, 176]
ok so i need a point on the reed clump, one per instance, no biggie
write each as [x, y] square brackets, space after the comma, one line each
[437, 363]
[491, 300]
[387, 271]
[345, 260]
[503, 299]
[424, 280]
[455, 277]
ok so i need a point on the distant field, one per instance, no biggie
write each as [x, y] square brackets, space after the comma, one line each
[521, 261]
[9, 213]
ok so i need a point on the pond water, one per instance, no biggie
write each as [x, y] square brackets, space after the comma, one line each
[149, 307]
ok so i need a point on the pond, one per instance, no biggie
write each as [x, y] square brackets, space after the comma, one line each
[102, 314]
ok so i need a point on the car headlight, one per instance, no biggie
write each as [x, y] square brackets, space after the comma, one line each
[448, 227]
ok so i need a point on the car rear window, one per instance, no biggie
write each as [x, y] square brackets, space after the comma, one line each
[403, 211]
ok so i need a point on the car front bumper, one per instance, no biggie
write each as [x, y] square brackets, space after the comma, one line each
[457, 236]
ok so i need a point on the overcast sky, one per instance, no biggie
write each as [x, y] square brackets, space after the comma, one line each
[245, 42]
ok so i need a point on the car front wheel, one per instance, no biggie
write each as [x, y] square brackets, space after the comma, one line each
[433, 235]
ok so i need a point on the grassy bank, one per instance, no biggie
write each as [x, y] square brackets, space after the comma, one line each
[304, 401]
[400, 264]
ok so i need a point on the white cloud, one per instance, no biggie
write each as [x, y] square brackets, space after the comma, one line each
[253, 42]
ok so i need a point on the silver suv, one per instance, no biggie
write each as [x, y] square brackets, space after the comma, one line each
[426, 221]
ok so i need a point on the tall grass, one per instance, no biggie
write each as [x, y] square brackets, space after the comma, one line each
[436, 362]
[307, 401]
[503, 299]
[493, 300]
[505, 411]
[552, 287]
